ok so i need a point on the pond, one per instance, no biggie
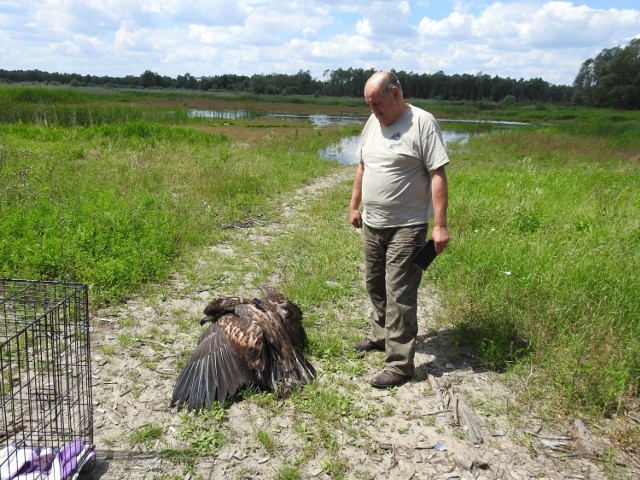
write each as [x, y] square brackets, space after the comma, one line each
[345, 150]
[319, 120]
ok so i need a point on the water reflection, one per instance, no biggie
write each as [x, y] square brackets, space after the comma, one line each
[318, 120]
[322, 120]
[345, 151]
[221, 114]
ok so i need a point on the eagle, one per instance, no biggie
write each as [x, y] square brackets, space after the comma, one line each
[249, 341]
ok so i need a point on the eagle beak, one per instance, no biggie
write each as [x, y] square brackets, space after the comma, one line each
[205, 319]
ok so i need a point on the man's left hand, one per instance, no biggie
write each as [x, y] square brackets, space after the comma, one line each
[440, 238]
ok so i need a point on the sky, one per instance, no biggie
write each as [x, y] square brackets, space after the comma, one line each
[507, 38]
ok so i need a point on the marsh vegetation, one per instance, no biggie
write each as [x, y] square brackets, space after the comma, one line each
[122, 189]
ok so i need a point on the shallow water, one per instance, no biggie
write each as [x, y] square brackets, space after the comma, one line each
[345, 150]
[319, 120]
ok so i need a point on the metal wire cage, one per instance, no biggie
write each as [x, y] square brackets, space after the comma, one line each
[45, 364]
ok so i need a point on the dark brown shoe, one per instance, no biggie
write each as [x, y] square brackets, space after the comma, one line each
[367, 345]
[388, 379]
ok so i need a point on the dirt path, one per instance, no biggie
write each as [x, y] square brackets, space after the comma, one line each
[423, 432]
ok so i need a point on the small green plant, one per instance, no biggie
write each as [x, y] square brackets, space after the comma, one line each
[205, 441]
[264, 400]
[203, 433]
[146, 435]
[325, 404]
[429, 420]
[266, 441]
[187, 457]
[136, 391]
[304, 431]
[388, 409]
[126, 340]
[110, 441]
[288, 472]
[335, 467]
[459, 433]
[108, 349]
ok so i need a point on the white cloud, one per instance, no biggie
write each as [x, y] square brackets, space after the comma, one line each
[388, 19]
[526, 39]
[516, 38]
[363, 27]
[455, 26]
[340, 49]
[531, 24]
[127, 38]
[404, 7]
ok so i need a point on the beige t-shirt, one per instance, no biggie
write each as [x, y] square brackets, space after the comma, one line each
[396, 187]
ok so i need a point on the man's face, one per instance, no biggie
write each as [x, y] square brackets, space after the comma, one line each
[383, 105]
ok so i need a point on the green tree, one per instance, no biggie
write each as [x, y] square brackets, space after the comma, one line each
[612, 79]
[151, 79]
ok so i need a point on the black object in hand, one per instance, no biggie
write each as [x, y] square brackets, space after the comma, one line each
[425, 255]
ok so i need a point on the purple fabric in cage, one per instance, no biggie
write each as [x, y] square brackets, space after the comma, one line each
[13, 461]
[66, 460]
[35, 461]
[27, 463]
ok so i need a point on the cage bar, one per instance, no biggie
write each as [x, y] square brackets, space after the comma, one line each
[45, 365]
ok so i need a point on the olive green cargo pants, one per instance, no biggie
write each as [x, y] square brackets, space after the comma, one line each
[392, 281]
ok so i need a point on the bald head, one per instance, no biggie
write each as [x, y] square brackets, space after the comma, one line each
[383, 94]
[385, 81]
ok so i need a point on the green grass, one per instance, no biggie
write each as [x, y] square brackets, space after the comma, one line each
[267, 441]
[146, 435]
[117, 205]
[540, 276]
[543, 263]
[540, 273]
[288, 472]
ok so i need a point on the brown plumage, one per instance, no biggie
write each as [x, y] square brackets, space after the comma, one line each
[248, 342]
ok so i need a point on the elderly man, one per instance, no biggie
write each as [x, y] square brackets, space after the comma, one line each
[402, 184]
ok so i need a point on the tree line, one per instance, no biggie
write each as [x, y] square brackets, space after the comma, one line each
[338, 83]
[612, 79]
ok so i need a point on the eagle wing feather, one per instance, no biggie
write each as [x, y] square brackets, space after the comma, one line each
[248, 341]
[213, 372]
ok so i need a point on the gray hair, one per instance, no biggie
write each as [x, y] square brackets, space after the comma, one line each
[388, 81]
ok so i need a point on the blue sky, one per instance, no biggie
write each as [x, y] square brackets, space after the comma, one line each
[508, 38]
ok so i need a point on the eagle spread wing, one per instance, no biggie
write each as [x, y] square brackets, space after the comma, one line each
[217, 368]
[248, 341]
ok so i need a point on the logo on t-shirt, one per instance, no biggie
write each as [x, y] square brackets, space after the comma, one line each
[395, 136]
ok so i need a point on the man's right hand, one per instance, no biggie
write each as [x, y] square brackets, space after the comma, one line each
[355, 218]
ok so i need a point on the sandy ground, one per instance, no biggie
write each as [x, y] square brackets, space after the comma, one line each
[424, 433]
